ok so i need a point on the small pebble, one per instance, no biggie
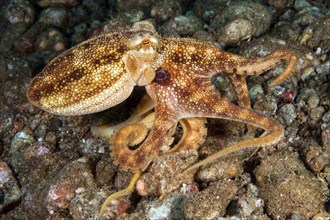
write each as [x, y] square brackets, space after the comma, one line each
[313, 101]
[323, 68]
[183, 25]
[325, 138]
[307, 73]
[236, 31]
[321, 216]
[54, 16]
[295, 216]
[287, 114]
[316, 113]
[170, 208]
[266, 105]
[164, 10]
[326, 117]
[41, 130]
[132, 16]
[225, 168]
[105, 172]
[21, 143]
[256, 91]
[307, 16]
[10, 191]
[326, 174]
[257, 14]
[51, 138]
[207, 9]
[246, 205]
[320, 38]
[301, 4]
[204, 36]
[325, 100]
[318, 163]
[20, 11]
[304, 93]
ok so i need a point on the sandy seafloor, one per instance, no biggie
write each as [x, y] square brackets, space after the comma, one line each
[51, 167]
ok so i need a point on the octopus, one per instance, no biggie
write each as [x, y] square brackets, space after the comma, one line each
[176, 73]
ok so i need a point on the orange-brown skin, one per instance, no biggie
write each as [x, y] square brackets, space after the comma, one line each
[177, 74]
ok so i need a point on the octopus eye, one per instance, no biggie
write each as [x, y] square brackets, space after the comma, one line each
[145, 42]
[161, 74]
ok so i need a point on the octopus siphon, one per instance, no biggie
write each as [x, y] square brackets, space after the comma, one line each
[176, 73]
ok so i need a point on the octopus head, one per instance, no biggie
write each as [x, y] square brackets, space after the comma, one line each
[142, 53]
[144, 39]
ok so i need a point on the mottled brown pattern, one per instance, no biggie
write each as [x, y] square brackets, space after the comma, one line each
[187, 92]
[92, 76]
[80, 73]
